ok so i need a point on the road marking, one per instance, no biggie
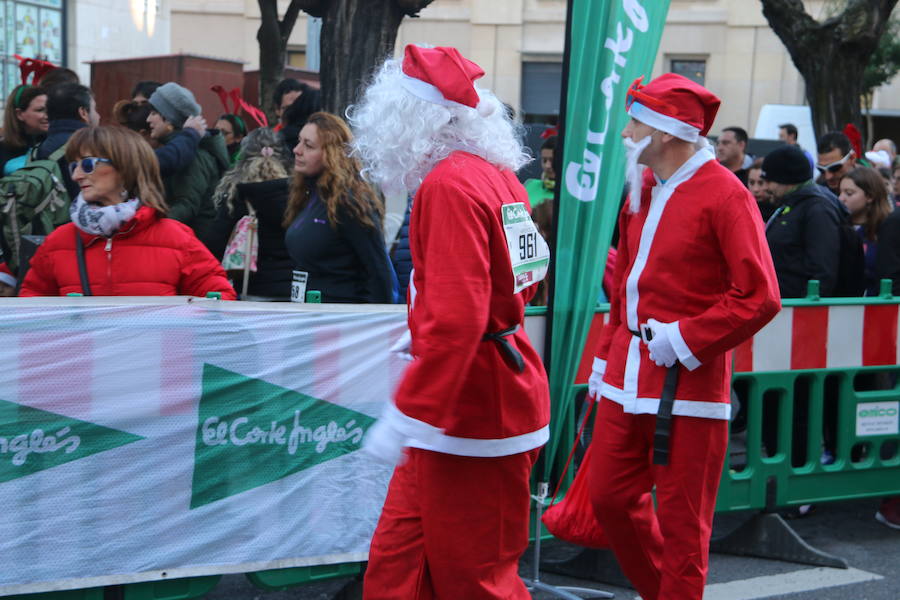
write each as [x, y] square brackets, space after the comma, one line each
[771, 586]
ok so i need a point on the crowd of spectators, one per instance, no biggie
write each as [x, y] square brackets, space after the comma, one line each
[161, 196]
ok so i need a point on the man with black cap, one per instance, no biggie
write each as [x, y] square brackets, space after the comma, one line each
[693, 279]
[189, 192]
[804, 233]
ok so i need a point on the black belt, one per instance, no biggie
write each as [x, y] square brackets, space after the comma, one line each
[509, 352]
[663, 431]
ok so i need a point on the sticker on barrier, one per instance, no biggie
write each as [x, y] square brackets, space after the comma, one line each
[877, 418]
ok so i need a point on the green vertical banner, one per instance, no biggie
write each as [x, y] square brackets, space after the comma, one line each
[609, 44]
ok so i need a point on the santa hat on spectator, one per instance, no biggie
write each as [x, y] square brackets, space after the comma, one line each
[6, 276]
[673, 104]
[442, 76]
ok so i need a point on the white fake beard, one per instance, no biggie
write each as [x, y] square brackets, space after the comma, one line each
[634, 171]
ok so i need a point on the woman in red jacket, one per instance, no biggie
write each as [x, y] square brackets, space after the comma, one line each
[130, 249]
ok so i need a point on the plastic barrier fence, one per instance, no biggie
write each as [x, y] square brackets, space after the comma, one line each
[819, 390]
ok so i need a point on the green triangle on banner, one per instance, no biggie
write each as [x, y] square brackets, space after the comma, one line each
[33, 440]
[251, 432]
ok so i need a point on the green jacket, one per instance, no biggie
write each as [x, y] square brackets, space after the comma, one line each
[189, 192]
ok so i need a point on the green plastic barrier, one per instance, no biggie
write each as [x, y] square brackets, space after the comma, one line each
[170, 589]
[785, 449]
[280, 579]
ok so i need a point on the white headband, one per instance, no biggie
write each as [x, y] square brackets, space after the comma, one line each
[426, 91]
[665, 123]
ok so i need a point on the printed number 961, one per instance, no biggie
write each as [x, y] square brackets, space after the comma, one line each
[527, 245]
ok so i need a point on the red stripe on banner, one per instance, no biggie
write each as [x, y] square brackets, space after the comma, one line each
[179, 369]
[743, 357]
[809, 337]
[56, 373]
[879, 335]
[590, 347]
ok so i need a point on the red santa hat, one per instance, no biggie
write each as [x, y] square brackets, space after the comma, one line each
[673, 104]
[440, 75]
[6, 275]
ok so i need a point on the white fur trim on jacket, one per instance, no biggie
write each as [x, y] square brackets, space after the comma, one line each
[428, 437]
[650, 117]
[425, 91]
[685, 356]
[650, 406]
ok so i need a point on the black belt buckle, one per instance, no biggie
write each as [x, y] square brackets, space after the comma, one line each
[646, 333]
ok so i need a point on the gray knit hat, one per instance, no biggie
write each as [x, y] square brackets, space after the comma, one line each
[174, 103]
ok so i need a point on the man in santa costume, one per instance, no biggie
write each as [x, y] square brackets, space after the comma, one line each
[693, 279]
[472, 409]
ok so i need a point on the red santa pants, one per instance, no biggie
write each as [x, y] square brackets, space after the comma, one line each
[452, 528]
[664, 552]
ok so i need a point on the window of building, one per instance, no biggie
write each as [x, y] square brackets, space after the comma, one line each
[692, 68]
[541, 85]
[296, 57]
[31, 29]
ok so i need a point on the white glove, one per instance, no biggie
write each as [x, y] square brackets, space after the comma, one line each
[598, 368]
[384, 443]
[661, 350]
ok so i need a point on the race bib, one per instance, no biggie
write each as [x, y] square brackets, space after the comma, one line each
[298, 286]
[528, 252]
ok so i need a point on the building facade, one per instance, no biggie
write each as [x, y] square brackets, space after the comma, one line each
[725, 44]
[74, 32]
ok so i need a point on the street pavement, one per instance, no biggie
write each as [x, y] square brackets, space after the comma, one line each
[844, 529]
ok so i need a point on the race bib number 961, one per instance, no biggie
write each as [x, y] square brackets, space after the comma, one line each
[528, 252]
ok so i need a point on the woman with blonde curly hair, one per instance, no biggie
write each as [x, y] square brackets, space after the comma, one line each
[128, 248]
[333, 218]
[258, 182]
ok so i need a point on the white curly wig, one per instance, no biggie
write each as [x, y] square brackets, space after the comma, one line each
[399, 138]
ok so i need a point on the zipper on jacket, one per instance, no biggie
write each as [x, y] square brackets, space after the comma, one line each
[109, 262]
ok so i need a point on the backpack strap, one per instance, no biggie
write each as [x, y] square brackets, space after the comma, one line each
[54, 156]
[58, 153]
[82, 265]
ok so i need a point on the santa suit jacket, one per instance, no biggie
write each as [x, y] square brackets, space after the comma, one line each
[460, 395]
[695, 254]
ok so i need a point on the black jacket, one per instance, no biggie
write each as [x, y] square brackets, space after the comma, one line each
[8, 152]
[401, 255]
[347, 263]
[887, 260]
[269, 199]
[804, 240]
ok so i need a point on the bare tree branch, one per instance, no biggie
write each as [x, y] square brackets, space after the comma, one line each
[411, 8]
[290, 19]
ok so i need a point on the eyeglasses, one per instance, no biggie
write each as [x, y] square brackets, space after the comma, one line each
[835, 166]
[87, 164]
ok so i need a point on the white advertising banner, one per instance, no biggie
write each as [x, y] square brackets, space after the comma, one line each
[174, 439]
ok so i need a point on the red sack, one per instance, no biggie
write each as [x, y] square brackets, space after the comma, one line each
[572, 519]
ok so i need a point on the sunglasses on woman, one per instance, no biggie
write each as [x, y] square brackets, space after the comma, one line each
[835, 166]
[87, 164]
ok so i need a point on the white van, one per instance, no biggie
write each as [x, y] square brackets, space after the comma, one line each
[771, 116]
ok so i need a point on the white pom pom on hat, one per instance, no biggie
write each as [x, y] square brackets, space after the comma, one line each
[442, 75]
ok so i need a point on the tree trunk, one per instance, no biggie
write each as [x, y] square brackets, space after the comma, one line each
[831, 55]
[372, 26]
[272, 36]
